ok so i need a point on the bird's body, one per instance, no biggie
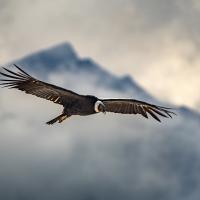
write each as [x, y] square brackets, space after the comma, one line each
[76, 104]
[82, 106]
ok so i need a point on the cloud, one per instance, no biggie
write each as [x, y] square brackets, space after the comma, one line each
[94, 157]
[112, 156]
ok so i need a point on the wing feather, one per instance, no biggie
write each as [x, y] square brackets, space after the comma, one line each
[132, 106]
[23, 81]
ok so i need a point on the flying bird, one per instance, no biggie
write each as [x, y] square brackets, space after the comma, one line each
[76, 104]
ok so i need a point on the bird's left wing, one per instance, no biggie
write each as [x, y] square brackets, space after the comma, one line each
[131, 106]
[23, 81]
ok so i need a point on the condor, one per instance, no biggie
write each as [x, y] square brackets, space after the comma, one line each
[76, 104]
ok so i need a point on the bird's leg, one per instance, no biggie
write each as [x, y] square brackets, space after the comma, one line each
[60, 119]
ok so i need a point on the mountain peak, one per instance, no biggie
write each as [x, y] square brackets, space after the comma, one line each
[50, 58]
[64, 49]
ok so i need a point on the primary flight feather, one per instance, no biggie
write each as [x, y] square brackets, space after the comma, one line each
[76, 104]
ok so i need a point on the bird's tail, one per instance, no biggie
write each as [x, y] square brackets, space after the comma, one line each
[60, 119]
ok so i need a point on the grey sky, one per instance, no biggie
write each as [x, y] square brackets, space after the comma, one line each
[157, 42]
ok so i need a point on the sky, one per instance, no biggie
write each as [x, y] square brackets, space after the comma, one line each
[102, 156]
[155, 41]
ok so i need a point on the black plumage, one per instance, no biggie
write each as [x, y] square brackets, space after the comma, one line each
[76, 104]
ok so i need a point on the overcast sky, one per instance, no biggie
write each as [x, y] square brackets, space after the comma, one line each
[103, 156]
[155, 41]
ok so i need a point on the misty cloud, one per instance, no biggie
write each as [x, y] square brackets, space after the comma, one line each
[95, 157]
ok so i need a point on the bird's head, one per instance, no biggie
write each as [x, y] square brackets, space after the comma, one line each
[99, 107]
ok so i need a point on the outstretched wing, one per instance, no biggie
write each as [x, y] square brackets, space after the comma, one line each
[131, 106]
[23, 81]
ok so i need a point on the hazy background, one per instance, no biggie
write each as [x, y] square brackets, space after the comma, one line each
[156, 41]
[101, 157]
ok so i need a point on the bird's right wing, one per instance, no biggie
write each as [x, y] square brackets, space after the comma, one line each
[132, 106]
[24, 82]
